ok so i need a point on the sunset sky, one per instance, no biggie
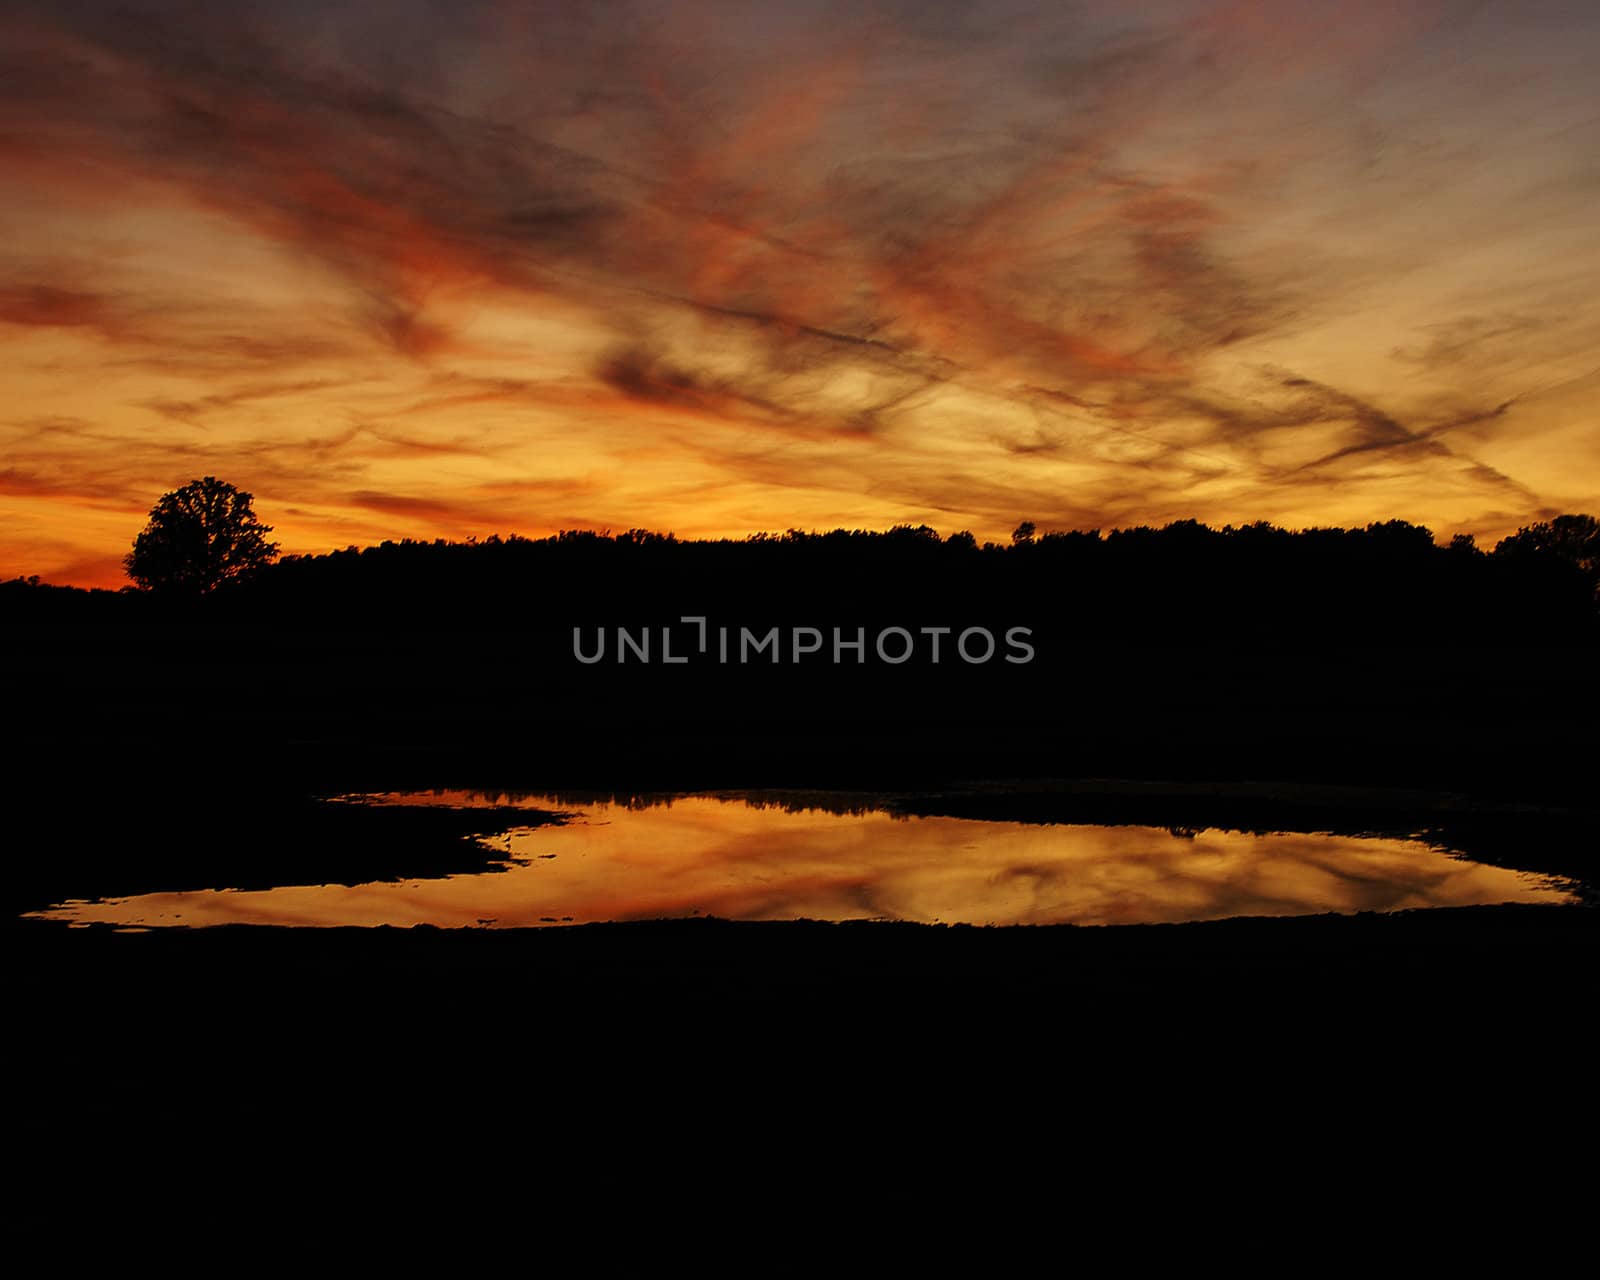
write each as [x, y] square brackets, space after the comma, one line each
[450, 269]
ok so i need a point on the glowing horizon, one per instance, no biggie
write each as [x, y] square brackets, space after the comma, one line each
[720, 269]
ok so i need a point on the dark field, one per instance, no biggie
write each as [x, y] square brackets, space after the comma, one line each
[1430, 1058]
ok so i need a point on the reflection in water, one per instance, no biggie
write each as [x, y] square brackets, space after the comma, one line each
[743, 860]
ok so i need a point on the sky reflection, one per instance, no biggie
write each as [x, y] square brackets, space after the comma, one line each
[713, 856]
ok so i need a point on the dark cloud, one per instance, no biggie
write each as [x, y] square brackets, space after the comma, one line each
[1449, 343]
[406, 505]
[48, 306]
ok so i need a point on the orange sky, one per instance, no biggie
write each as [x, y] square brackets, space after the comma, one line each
[404, 269]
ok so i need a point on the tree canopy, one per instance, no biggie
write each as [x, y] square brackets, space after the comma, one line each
[199, 537]
[1571, 539]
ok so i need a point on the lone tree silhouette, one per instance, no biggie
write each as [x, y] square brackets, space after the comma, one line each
[199, 537]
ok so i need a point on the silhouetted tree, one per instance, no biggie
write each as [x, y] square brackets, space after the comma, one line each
[1023, 533]
[1570, 539]
[198, 538]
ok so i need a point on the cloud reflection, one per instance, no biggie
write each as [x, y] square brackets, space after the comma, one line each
[700, 855]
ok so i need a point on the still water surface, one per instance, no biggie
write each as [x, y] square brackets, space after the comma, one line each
[755, 857]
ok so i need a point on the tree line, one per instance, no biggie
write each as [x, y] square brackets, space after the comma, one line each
[205, 550]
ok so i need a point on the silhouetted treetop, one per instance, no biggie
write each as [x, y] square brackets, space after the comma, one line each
[1572, 540]
[200, 537]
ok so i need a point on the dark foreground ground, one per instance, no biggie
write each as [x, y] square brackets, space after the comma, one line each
[1418, 1063]
[1433, 1069]
[1387, 1074]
